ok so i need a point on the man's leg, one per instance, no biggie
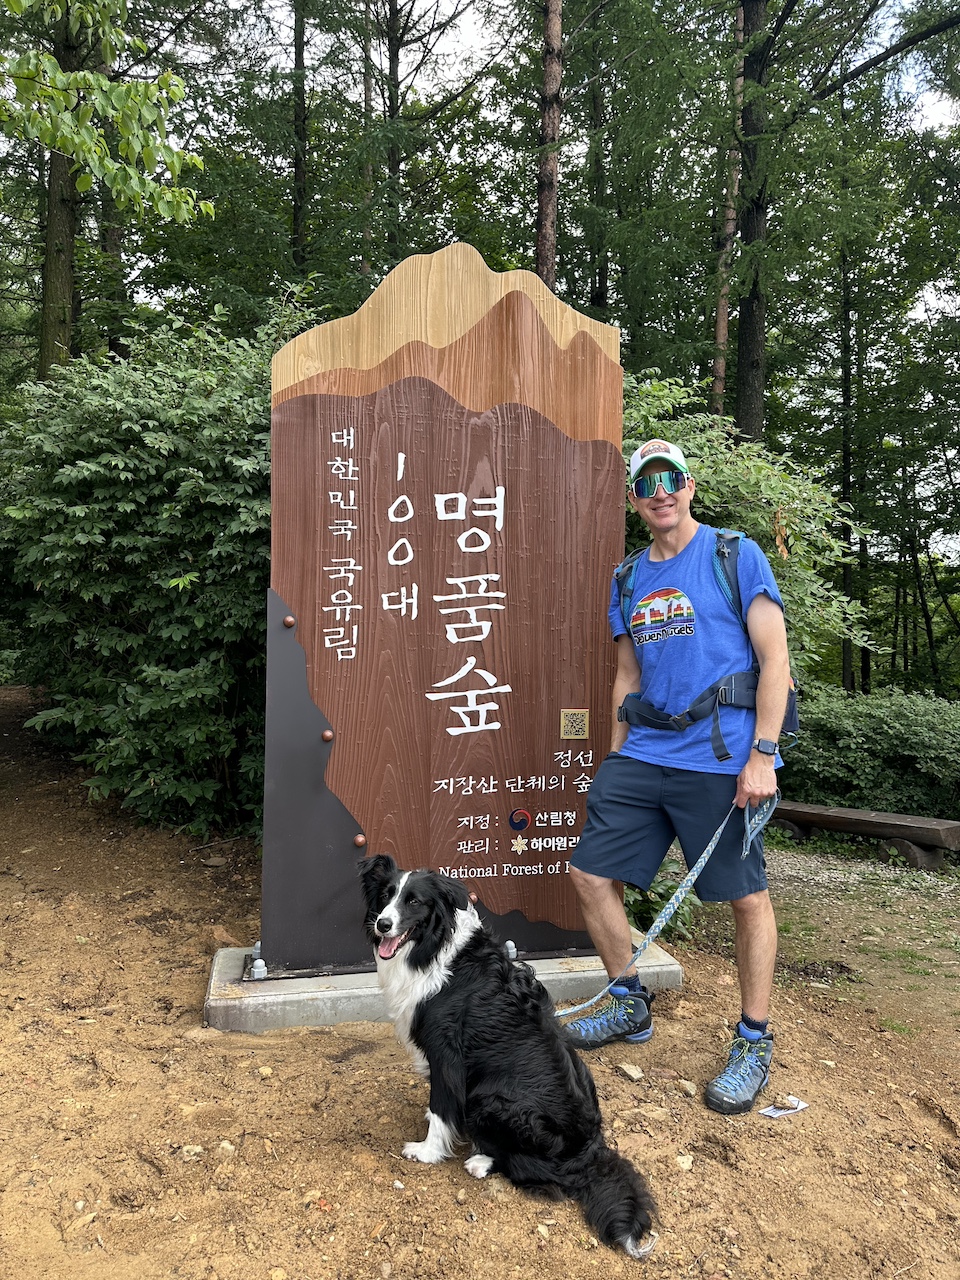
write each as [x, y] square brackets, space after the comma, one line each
[748, 1068]
[605, 919]
[624, 839]
[696, 804]
[756, 949]
[626, 1014]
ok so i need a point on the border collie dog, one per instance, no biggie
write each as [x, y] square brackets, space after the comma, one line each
[503, 1076]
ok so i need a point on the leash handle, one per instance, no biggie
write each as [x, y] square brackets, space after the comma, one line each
[751, 829]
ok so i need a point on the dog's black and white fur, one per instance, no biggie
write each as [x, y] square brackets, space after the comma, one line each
[502, 1074]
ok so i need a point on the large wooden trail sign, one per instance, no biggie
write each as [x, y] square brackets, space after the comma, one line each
[448, 496]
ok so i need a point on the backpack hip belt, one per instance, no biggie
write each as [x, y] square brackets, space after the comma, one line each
[737, 690]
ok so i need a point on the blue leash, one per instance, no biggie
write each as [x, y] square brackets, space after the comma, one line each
[752, 826]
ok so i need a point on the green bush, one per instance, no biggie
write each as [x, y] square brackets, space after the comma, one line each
[643, 908]
[137, 523]
[891, 751]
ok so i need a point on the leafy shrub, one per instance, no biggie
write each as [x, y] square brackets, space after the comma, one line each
[892, 751]
[137, 520]
[643, 908]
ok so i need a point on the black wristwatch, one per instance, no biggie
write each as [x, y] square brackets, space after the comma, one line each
[765, 747]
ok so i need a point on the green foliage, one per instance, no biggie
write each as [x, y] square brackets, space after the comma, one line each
[95, 20]
[138, 519]
[643, 908]
[79, 111]
[890, 751]
[11, 639]
[743, 485]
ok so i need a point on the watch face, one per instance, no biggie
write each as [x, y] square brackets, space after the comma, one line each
[766, 747]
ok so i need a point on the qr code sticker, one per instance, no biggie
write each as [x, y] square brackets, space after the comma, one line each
[575, 722]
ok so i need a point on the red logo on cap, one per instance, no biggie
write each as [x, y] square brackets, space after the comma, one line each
[655, 446]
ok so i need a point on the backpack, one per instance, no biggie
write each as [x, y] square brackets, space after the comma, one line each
[738, 690]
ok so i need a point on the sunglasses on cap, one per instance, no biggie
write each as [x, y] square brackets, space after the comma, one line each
[672, 481]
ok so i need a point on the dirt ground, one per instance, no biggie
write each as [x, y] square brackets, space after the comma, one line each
[139, 1144]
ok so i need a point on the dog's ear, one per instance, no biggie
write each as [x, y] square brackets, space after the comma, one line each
[375, 871]
[452, 893]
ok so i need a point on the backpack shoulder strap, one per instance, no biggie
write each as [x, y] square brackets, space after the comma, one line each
[725, 554]
[624, 574]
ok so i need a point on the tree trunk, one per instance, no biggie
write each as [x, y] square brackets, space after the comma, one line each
[914, 633]
[546, 240]
[57, 306]
[394, 41]
[599, 252]
[903, 504]
[752, 224]
[866, 676]
[298, 238]
[367, 128]
[865, 568]
[115, 291]
[56, 316]
[846, 446]
[927, 617]
[728, 232]
[751, 351]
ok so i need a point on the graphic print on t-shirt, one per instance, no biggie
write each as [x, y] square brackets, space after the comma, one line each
[663, 613]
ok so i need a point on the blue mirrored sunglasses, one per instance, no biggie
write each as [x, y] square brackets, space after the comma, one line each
[672, 481]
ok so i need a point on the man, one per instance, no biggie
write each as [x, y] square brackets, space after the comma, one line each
[658, 784]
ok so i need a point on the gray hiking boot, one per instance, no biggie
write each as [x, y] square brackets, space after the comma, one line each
[746, 1073]
[626, 1016]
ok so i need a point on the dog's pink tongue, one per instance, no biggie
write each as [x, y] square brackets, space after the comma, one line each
[388, 947]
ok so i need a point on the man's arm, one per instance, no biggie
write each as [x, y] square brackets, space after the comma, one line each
[768, 636]
[627, 680]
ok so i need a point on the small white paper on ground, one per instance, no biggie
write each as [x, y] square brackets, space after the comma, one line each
[776, 1112]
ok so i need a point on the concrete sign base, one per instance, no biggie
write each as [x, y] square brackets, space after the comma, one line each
[233, 1004]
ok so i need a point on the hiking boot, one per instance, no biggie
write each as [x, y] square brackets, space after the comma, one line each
[747, 1071]
[626, 1016]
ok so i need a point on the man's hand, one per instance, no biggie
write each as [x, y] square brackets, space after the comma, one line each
[757, 781]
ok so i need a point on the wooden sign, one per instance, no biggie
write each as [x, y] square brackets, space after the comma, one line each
[448, 497]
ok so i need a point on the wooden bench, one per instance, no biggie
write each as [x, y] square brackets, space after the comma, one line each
[908, 834]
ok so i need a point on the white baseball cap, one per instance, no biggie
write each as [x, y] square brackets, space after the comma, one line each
[657, 450]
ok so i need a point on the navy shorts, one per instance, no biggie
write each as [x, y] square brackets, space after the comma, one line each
[634, 812]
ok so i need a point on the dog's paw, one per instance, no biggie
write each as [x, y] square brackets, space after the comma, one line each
[425, 1152]
[478, 1166]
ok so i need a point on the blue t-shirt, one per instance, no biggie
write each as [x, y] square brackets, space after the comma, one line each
[687, 636]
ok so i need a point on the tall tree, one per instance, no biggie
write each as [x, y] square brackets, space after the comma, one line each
[827, 36]
[57, 306]
[727, 229]
[866, 364]
[63, 98]
[300, 131]
[547, 170]
[403, 44]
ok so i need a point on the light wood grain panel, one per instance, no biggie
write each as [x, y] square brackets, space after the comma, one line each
[509, 356]
[434, 299]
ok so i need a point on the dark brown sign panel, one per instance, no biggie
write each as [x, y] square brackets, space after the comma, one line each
[439, 662]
